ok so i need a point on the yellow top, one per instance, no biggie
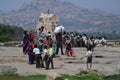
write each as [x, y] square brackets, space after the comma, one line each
[50, 51]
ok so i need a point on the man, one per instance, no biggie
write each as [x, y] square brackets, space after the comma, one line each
[59, 42]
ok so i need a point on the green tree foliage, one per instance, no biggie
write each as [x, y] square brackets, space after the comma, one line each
[9, 33]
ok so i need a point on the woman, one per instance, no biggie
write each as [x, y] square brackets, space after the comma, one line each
[31, 56]
[25, 42]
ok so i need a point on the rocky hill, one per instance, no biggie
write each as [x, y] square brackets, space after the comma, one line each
[71, 16]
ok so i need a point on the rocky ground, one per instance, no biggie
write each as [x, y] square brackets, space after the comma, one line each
[105, 59]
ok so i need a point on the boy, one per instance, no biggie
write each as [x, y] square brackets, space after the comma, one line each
[46, 56]
[89, 58]
[40, 47]
[36, 51]
[50, 60]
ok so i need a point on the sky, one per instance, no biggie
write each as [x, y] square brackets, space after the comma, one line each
[8, 5]
[111, 6]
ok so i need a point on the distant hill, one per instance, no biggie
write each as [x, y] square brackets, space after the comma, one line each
[71, 16]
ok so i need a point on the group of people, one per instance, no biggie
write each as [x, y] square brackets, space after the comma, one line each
[83, 40]
[48, 44]
[44, 50]
[41, 53]
[89, 42]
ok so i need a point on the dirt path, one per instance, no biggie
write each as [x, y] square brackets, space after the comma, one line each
[106, 60]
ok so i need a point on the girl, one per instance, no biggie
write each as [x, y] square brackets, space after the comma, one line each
[68, 47]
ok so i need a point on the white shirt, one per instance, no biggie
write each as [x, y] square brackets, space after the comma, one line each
[36, 51]
[88, 42]
[84, 38]
[45, 51]
[96, 41]
[89, 53]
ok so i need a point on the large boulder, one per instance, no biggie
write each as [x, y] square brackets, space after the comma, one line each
[4, 69]
[54, 76]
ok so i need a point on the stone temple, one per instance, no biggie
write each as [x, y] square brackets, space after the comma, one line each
[48, 21]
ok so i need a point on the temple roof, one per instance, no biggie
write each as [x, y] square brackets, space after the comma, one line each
[42, 15]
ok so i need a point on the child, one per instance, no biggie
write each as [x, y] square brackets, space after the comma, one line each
[68, 47]
[45, 51]
[36, 51]
[54, 50]
[50, 60]
[40, 47]
[89, 58]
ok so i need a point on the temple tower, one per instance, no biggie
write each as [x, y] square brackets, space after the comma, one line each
[48, 21]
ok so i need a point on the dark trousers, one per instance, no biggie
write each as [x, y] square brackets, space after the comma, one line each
[59, 45]
[38, 60]
[78, 43]
[50, 61]
[41, 62]
[46, 59]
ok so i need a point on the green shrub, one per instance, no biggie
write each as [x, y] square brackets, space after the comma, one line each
[17, 77]
[8, 33]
